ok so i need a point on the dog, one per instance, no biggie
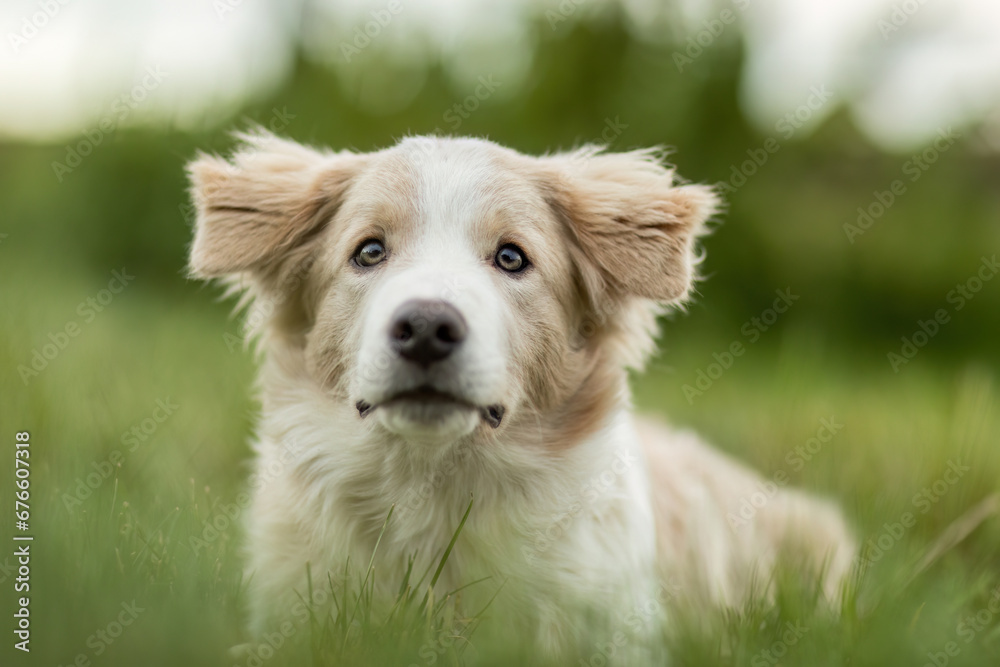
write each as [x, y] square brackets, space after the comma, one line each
[445, 329]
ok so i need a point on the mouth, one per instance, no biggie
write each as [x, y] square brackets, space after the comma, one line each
[428, 404]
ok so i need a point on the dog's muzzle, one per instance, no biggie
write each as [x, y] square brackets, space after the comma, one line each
[425, 332]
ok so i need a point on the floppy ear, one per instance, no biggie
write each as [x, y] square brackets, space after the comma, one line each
[634, 226]
[267, 200]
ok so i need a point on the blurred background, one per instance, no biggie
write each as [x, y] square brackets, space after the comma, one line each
[856, 143]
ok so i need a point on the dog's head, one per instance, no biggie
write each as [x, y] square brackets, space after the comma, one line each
[444, 287]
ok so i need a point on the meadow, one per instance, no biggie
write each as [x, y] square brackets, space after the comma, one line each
[876, 385]
[138, 442]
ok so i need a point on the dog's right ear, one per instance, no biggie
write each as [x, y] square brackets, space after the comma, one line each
[271, 197]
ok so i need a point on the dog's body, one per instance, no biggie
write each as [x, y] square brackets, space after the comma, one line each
[447, 320]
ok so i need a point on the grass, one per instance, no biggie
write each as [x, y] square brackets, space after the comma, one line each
[143, 537]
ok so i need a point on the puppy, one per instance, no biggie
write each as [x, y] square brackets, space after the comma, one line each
[447, 320]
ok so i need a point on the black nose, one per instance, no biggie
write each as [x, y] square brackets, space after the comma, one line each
[425, 331]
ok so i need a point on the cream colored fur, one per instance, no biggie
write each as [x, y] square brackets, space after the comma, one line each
[580, 510]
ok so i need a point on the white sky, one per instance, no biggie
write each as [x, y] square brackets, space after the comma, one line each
[65, 69]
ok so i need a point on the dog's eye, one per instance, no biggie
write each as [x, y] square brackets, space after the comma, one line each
[369, 253]
[510, 258]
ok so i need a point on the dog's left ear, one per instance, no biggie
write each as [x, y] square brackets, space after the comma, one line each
[635, 227]
[256, 211]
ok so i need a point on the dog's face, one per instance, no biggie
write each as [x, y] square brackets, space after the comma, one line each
[445, 286]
